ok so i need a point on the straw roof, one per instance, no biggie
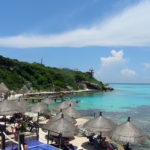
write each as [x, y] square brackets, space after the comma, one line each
[99, 124]
[39, 108]
[70, 111]
[127, 132]
[61, 126]
[24, 89]
[65, 104]
[3, 88]
[22, 103]
[9, 107]
[48, 101]
[59, 115]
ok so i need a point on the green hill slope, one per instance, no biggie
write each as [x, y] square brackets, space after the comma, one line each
[15, 74]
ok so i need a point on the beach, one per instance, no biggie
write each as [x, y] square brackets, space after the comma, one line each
[79, 142]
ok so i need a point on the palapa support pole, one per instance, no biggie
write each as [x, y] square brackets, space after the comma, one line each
[37, 132]
[38, 126]
[94, 114]
[2, 141]
[60, 140]
[48, 136]
[100, 114]
[5, 121]
[20, 141]
[129, 118]
[38, 118]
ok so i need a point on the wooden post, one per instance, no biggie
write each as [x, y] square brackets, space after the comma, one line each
[48, 136]
[37, 126]
[20, 141]
[37, 134]
[2, 141]
[94, 114]
[5, 120]
[38, 118]
[60, 140]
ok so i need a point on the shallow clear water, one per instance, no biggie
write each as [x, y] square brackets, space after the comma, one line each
[123, 96]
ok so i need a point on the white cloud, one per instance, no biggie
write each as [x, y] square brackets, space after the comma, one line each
[128, 73]
[116, 58]
[147, 65]
[130, 28]
[110, 67]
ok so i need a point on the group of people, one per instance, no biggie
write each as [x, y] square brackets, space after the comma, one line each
[101, 143]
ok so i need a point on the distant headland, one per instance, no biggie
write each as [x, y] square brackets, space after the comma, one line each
[17, 75]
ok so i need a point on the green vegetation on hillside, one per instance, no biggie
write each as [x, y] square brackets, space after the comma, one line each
[15, 74]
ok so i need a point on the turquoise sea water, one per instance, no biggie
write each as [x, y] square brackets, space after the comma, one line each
[121, 99]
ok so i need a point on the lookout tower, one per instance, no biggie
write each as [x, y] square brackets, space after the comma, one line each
[91, 71]
[76, 69]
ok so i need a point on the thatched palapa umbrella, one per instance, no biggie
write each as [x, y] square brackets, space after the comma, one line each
[48, 101]
[39, 108]
[3, 88]
[59, 115]
[24, 89]
[61, 126]
[72, 103]
[70, 111]
[129, 133]
[23, 104]
[65, 104]
[99, 124]
[9, 107]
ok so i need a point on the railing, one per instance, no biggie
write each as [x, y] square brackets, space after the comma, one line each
[19, 143]
[21, 138]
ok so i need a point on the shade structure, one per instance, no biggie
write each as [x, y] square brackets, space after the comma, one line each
[3, 88]
[70, 111]
[9, 107]
[99, 124]
[129, 133]
[39, 108]
[23, 104]
[48, 101]
[61, 126]
[72, 103]
[24, 89]
[65, 104]
[59, 115]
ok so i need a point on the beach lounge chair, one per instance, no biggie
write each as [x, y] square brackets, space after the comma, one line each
[91, 140]
[113, 146]
[97, 145]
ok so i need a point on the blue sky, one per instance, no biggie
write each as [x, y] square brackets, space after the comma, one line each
[111, 36]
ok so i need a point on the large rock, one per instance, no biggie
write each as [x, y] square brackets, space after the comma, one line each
[82, 86]
[95, 86]
[69, 88]
[92, 86]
